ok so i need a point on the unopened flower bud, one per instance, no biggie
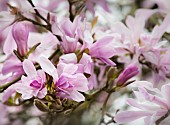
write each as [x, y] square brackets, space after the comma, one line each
[129, 72]
[20, 32]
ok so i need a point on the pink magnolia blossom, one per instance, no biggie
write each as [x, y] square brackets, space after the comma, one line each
[151, 104]
[129, 72]
[33, 84]
[85, 65]
[139, 42]
[20, 32]
[69, 33]
[103, 49]
[68, 83]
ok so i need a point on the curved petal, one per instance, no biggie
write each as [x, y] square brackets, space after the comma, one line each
[76, 96]
[29, 68]
[129, 116]
[68, 58]
[80, 82]
[48, 67]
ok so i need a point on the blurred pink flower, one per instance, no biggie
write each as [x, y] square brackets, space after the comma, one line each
[102, 3]
[151, 104]
[3, 115]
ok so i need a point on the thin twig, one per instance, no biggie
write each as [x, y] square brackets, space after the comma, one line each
[37, 13]
[162, 118]
[70, 10]
[104, 107]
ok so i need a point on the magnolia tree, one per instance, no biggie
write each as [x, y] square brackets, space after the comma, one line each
[84, 62]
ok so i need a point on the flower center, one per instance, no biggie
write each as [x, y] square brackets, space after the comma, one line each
[36, 84]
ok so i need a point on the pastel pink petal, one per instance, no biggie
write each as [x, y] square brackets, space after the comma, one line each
[150, 120]
[165, 90]
[132, 102]
[20, 32]
[76, 96]
[25, 80]
[76, 23]
[85, 59]
[108, 61]
[67, 27]
[6, 18]
[130, 21]
[69, 58]
[120, 28]
[88, 37]
[90, 6]
[129, 116]
[53, 4]
[103, 4]
[69, 44]
[56, 30]
[42, 75]
[42, 93]
[70, 68]
[103, 48]
[3, 5]
[145, 13]
[29, 68]
[11, 66]
[9, 45]
[158, 31]
[80, 82]
[153, 98]
[11, 90]
[147, 85]
[27, 95]
[48, 67]
[25, 90]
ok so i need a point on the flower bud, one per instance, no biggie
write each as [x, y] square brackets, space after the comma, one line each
[20, 32]
[129, 72]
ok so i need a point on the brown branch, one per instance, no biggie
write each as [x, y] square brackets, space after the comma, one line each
[37, 13]
[162, 118]
[71, 16]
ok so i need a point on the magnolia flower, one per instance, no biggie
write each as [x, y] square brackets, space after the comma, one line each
[20, 32]
[68, 31]
[33, 84]
[85, 65]
[103, 49]
[129, 72]
[67, 81]
[151, 105]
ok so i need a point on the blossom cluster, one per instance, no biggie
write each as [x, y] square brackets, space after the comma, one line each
[62, 57]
